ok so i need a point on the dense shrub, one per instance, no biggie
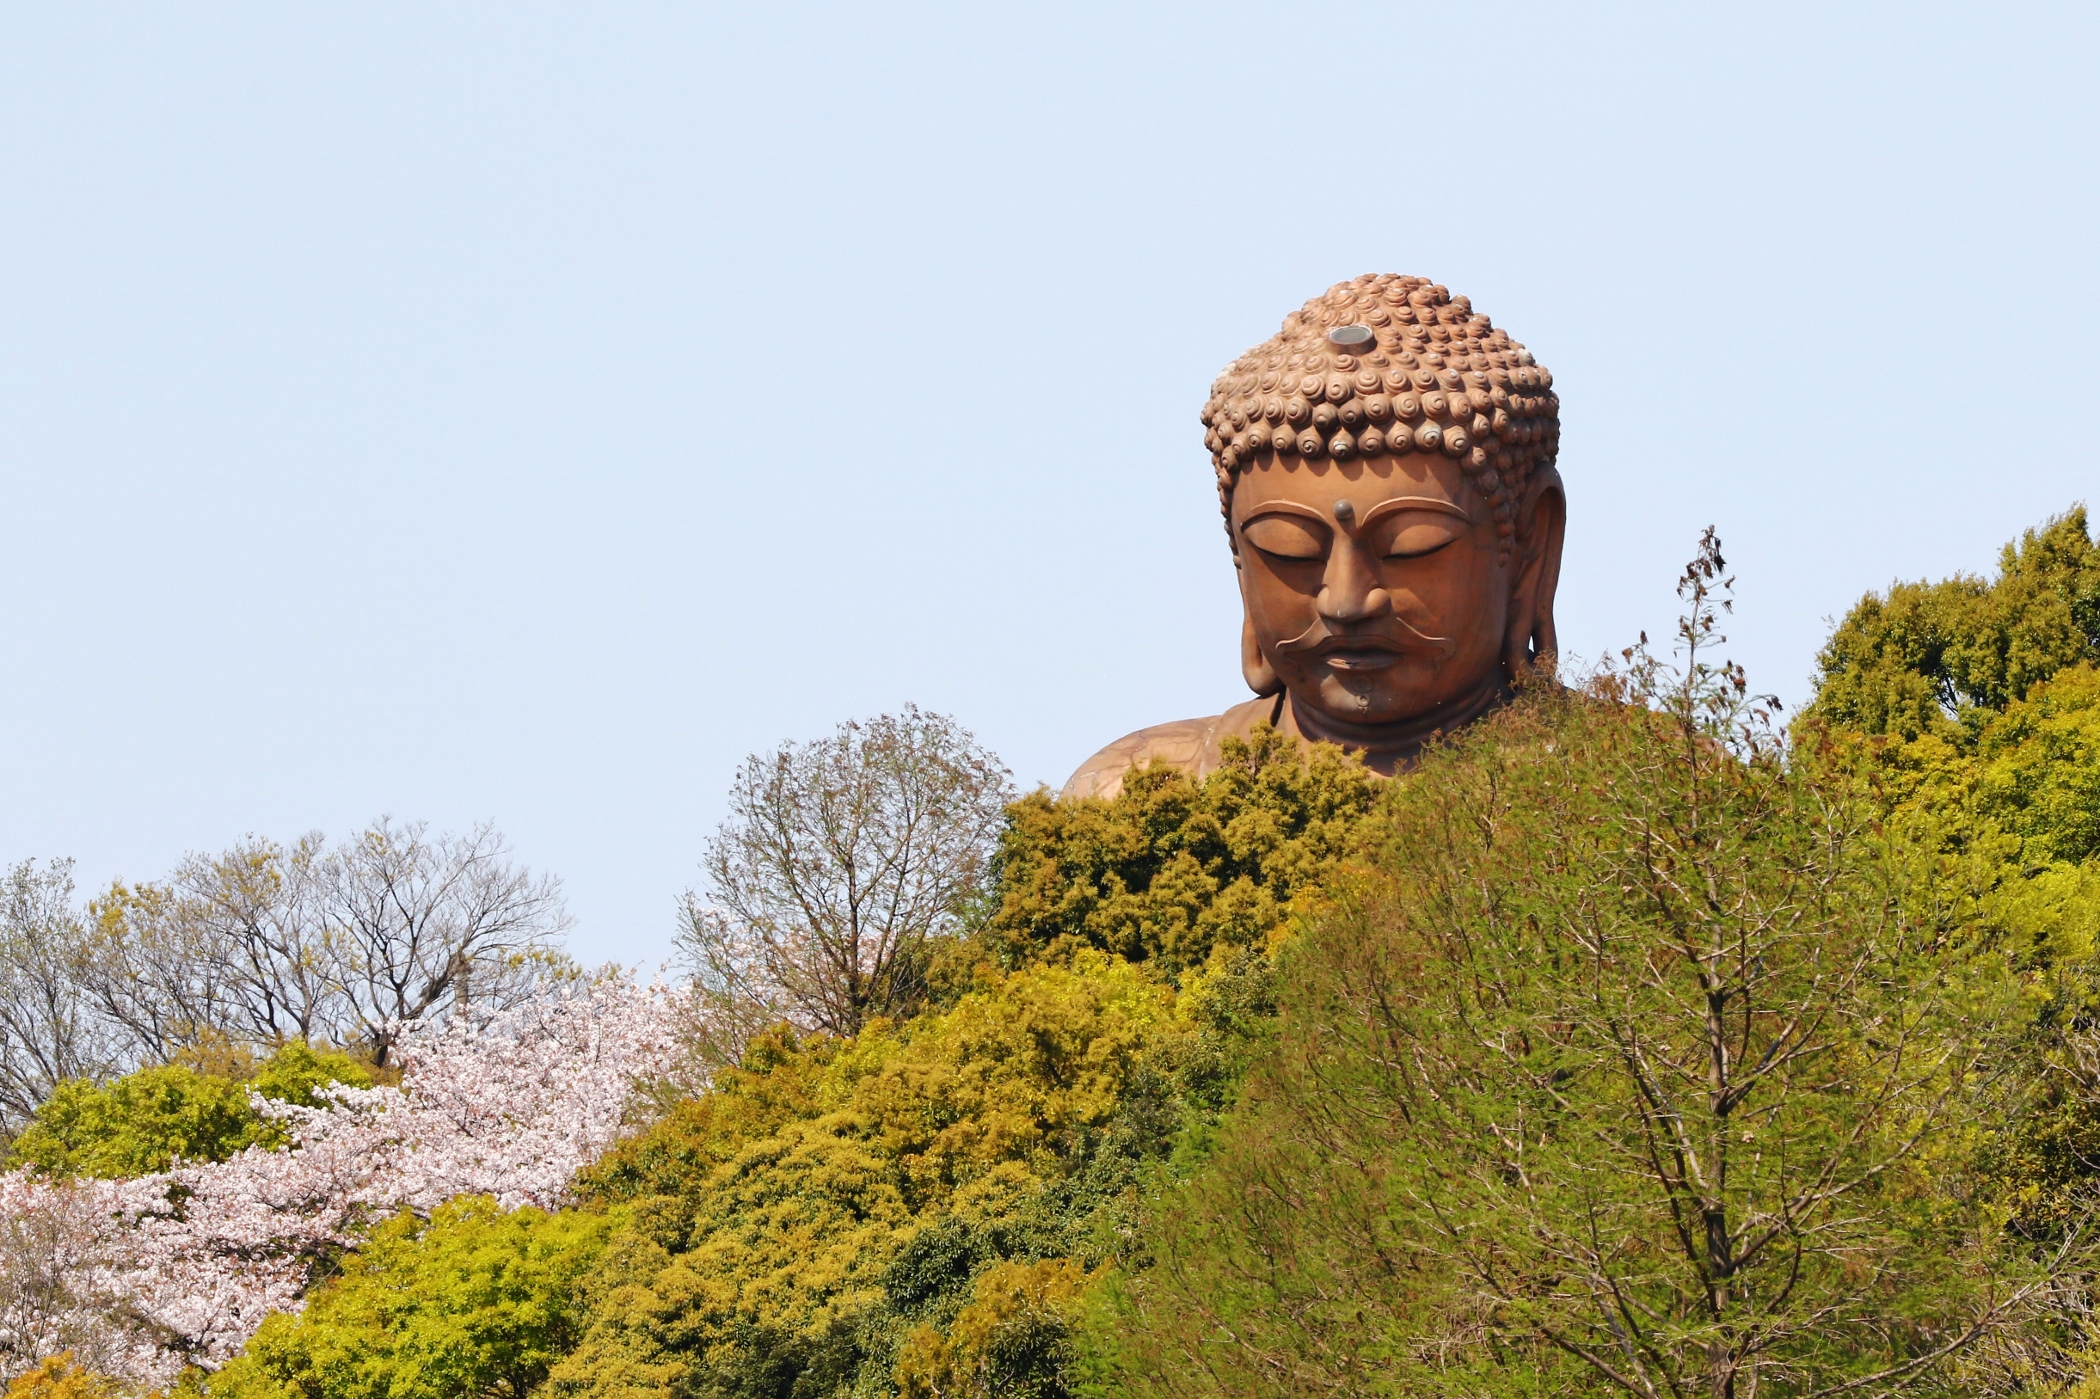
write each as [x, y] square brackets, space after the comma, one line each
[789, 1229]
[478, 1301]
[1013, 1340]
[1171, 868]
[146, 1120]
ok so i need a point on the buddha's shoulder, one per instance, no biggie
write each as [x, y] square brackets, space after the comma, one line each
[1190, 744]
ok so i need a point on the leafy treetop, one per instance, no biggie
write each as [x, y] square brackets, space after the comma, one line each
[1942, 657]
[1171, 868]
[147, 1120]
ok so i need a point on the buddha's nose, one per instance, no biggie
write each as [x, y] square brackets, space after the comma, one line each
[1350, 591]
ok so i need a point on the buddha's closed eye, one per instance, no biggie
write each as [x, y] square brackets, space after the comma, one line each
[1416, 534]
[1284, 537]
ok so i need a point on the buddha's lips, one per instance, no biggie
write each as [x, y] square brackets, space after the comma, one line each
[1359, 658]
[1374, 650]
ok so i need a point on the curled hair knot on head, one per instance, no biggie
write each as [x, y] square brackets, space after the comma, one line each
[1389, 348]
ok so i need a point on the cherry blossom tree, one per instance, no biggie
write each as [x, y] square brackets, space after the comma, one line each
[139, 1278]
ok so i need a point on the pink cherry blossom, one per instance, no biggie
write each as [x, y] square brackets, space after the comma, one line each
[142, 1277]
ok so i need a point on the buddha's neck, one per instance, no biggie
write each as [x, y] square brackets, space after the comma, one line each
[1388, 748]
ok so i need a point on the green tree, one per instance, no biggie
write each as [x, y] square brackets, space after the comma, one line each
[792, 1225]
[297, 1072]
[1638, 1064]
[1998, 777]
[475, 1302]
[1926, 657]
[1172, 868]
[145, 1121]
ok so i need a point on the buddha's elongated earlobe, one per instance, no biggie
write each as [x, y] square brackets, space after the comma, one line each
[1260, 675]
[1531, 639]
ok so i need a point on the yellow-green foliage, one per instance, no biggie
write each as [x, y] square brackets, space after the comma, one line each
[2010, 813]
[786, 1230]
[476, 1302]
[1172, 868]
[1975, 707]
[2012, 820]
[1012, 1341]
[919, 1205]
[2038, 772]
[144, 1121]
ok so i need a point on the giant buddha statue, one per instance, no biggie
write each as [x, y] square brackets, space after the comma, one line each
[1386, 467]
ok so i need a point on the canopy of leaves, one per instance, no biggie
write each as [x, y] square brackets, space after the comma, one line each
[145, 1121]
[791, 1227]
[475, 1302]
[1634, 1065]
[1923, 657]
[1172, 868]
[1975, 707]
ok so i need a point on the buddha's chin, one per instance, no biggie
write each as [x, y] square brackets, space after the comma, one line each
[1406, 691]
[1388, 695]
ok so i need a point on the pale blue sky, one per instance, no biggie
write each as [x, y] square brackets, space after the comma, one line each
[521, 412]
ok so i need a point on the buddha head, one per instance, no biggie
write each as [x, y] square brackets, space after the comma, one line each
[1386, 467]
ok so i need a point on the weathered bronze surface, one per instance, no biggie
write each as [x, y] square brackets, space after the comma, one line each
[1386, 467]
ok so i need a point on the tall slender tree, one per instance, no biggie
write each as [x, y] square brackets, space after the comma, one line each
[48, 1033]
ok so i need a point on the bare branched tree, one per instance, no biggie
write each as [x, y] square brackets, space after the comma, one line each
[47, 1033]
[230, 947]
[270, 961]
[420, 926]
[147, 971]
[840, 860]
[350, 946]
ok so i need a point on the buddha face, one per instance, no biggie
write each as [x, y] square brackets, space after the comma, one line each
[1373, 588]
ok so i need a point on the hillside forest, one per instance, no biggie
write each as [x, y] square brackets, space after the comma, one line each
[1641, 1040]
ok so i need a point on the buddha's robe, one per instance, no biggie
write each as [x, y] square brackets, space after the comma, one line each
[1193, 745]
